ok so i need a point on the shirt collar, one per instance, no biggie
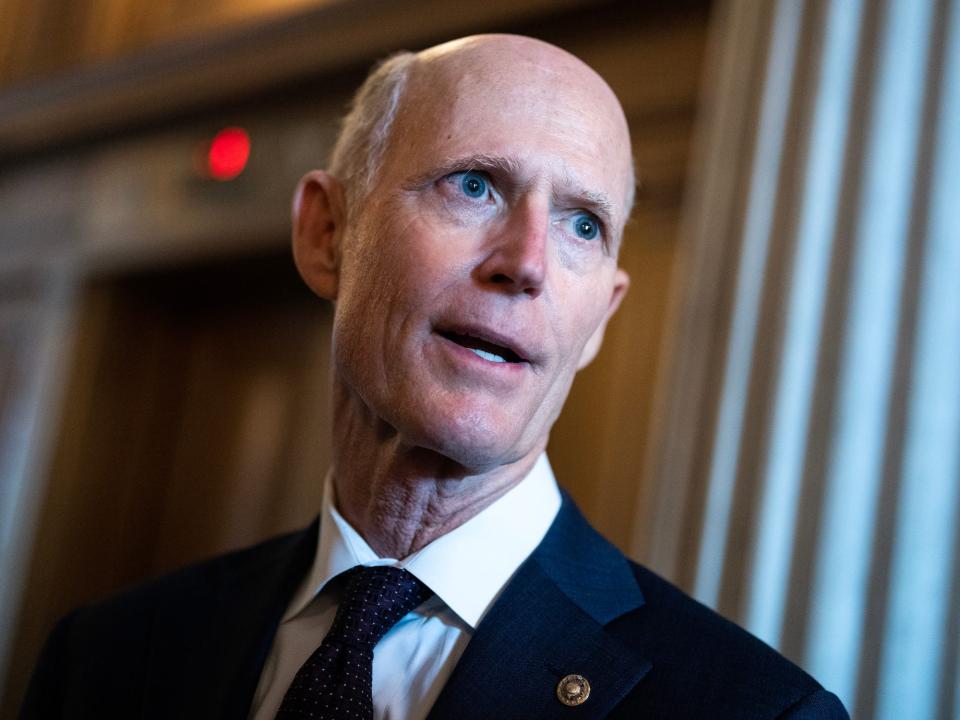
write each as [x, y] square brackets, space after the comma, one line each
[467, 567]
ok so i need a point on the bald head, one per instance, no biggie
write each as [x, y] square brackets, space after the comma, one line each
[505, 63]
[501, 58]
[410, 90]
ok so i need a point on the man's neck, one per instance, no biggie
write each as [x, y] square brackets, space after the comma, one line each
[401, 497]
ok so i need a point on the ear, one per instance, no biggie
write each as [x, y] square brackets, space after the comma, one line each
[319, 215]
[621, 282]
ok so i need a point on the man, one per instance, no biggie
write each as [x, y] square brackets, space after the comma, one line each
[468, 234]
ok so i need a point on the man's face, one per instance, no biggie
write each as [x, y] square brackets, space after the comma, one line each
[477, 278]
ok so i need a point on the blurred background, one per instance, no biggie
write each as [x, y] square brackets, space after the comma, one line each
[774, 421]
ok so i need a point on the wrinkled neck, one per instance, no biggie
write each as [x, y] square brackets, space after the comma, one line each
[401, 497]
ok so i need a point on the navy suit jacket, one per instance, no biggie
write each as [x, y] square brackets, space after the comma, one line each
[192, 644]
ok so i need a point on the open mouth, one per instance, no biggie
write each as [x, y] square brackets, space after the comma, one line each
[484, 348]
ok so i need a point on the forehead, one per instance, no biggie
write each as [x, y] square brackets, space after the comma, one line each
[552, 118]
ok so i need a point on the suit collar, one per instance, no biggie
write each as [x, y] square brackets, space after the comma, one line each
[587, 568]
[548, 623]
[467, 567]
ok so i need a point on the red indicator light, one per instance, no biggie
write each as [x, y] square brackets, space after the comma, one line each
[228, 153]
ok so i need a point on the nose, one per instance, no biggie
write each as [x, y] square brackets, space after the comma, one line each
[516, 260]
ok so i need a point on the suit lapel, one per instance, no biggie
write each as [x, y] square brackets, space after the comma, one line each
[210, 646]
[548, 623]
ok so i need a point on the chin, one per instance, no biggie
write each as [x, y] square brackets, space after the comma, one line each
[475, 440]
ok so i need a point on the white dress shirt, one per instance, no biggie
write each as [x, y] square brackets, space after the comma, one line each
[466, 569]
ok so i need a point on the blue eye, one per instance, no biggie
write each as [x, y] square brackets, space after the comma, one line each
[586, 226]
[473, 184]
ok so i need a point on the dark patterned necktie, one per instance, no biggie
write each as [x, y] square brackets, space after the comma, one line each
[336, 681]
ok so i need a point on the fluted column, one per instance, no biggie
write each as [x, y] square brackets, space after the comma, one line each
[805, 473]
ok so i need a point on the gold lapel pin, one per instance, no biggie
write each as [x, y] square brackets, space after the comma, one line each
[573, 690]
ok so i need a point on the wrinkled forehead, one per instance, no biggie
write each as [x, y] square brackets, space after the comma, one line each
[524, 100]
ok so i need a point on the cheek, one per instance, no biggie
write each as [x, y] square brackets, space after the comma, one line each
[390, 275]
[375, 267]
[583, 258]
[581, 316]
[424, 257]
[366, 299]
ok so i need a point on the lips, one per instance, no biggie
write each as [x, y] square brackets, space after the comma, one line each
[486, 344]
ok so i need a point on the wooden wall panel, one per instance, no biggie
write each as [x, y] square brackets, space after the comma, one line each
[195, 422]
[41, 38]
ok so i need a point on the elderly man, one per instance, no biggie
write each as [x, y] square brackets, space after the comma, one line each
[467, 232]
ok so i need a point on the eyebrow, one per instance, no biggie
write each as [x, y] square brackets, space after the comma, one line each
[596, 202]
[570, 191]
[477, 161]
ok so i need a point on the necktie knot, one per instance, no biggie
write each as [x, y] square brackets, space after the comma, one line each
[374, 599]
[336, 681]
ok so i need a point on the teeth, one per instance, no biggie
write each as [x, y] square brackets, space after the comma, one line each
[487, 355]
